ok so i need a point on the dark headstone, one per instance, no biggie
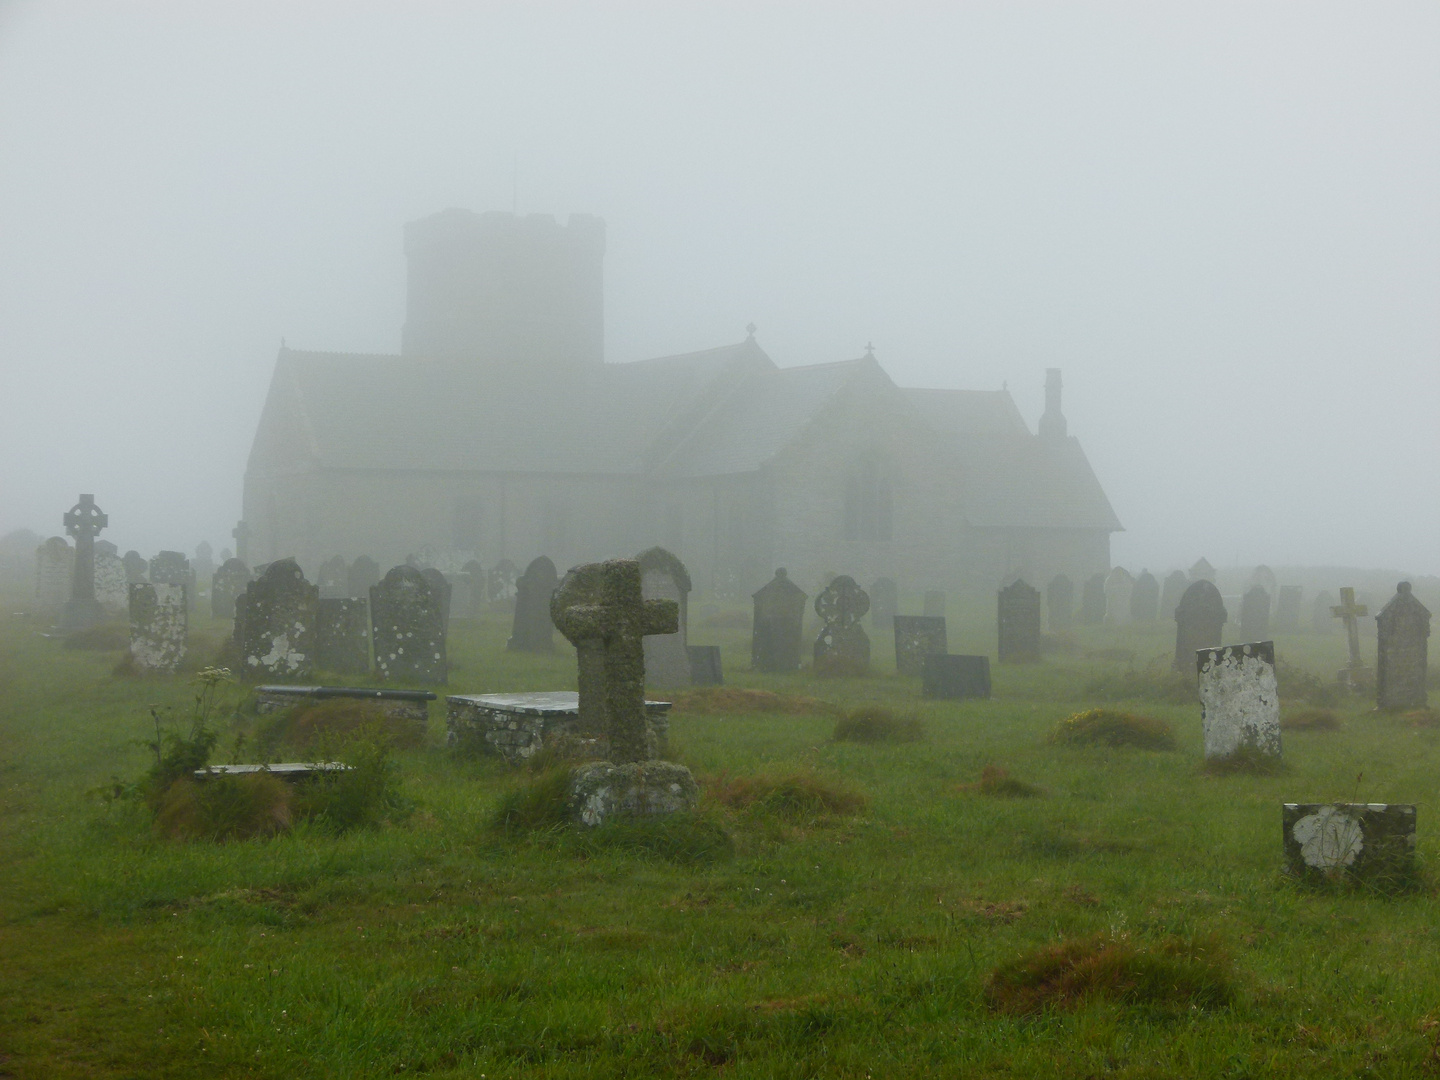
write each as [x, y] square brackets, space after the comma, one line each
[1092, 601]
[407, 621]
[1365, 840]
[275, 625]
[956, 677]
[173, 568]
[1401, 652]
[1144, 599]
[532, 630]
[1240, 702]
[1175, 585]
[705, 667]
[1287, 608]
[1265, 578]
[843, 648]
[135, 567]
[342, 636]
[664, 577]
[778, 626]
[1255, 614]
[1199, 622]
[159, 627]
[916, 637]
[363, 575]
[226, 586]
[439, 587]
[1060, 602]
[1118, 588]
[884, 603]
[334, 578]
[934, 607]
[1018, 615]
[83, 521]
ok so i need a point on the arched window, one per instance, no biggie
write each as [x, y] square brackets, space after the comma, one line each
[869, 503]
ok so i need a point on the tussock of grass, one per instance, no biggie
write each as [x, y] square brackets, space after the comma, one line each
[795, 795]
[224, 808]
[538, 804]
[1095, 726]
[1175, 972]
[1156, 683]
[333, 722]
[1247, 761]
[1310, 720]
[739, 699]
[999, 784]
[876, 725]
[106, 637]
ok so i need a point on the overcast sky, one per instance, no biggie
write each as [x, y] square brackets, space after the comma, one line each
[1221, 221]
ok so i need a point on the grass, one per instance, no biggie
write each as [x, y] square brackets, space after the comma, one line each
[711, 700]
[760, 936]
[999, 784]
[874, 724]
[314, 726]
[1310, 720]
[1109, 728]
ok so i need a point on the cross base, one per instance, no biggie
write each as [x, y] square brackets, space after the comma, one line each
[1356, 677]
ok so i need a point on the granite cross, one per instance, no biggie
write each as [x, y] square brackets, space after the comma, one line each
[1350, 612]
[599, 609]
[84, 521]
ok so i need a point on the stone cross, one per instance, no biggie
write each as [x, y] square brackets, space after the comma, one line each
[1350, 612]
[600, 610]
[83, 521]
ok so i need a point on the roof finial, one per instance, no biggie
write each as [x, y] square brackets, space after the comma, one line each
[750, 329]
[870, 349]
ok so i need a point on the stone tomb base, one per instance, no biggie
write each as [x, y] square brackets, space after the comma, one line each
[955, 677]
[601, 791]
[1370, 840]
[516, 726]
[407, 705]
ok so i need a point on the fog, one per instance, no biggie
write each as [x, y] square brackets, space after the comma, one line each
[1219, 221]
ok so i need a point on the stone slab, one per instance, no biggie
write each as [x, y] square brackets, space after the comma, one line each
[285, 770]
[955, 678]
[401, 704]
[517, 726]
[916, 637]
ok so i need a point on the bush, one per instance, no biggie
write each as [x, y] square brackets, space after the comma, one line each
[223, 808]
[737, 699]
[794, 796]
[1176, 972]
[876, 725]
[1310, 720]
[334, 722]
[999, 784]
[1113, 729]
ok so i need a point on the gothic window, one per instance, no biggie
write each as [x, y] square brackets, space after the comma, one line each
[869, 503]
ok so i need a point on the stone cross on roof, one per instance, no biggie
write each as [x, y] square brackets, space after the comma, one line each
[599, 609]
[1350, 612]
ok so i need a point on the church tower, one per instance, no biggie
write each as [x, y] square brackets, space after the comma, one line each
[505, 290]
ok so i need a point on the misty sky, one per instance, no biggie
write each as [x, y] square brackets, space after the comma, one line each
[1221, 221]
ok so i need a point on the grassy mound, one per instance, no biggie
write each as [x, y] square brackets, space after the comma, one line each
[224, 808]
[876, 725]
[996, 783]
[738, 699]
[1310, 720]
[334, 722]
[793, 795]
[1102, 726]
[105, 637]
[1176, 972]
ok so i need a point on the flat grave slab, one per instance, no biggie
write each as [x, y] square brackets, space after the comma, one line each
[516, 726]
[401, 704]
[285, 770]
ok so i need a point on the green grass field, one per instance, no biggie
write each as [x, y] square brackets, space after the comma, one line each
[857, 945]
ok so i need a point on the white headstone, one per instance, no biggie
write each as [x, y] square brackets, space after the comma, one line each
[1239, 699]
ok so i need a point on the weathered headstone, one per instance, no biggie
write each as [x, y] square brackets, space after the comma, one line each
[112, 587]
[54, 573]
[275, 625]
[778, 625]
[173, 568]
[1355, 673]
[916, 637]
[83, 521]
[204, 563]
[1374, 841]
[1403, 627]
[934, 605]
[407, 618]
[1144, 599]
[952, 678]
[469, 598]
[1118, 587]
[1255, 614]
[501, 581]
[1240, 704]
[159, 627]
[1092, 601]
[1060, 602]
[705, 668]
[226, 586]
[363, 575]
[1287, 608]
[884, 604]
[664, 577]
[1321, 621]
[842, 648]
[1202, 571]
[334, 578]
[1175, 585]
[1018, 616]
[532, 630]
[136, 567]
[1265, 578]
[1199, 622]
[342, 636]
[440, 586]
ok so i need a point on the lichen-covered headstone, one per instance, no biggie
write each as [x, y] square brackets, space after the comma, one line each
[54, 573]
[407, 618]
[664, 577]
[955, 678]
[112, 586]
[934, 604]
[440, 586]
[1370, 841]
[1118, 587]
[275, 625]
[532, 630]
[1092, 601]
[1199, 622]
[159, 627]
[362, 576]
[1144, 599]
[778, 626]
[1060, 602]
[1174, 588]
[1287, 608]
[226, 586]
[342, 636]
[173, 568]
[334, 578]
[1240, 704]
[1401, 653]
[842, 647]
[136, 567]
[1255, 614]
[884, 604]
[916, 637]
[1018, 617]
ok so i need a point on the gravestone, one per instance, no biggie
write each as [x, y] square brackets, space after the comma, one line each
[1202, 571]
[204, 564]
[500, 582]
[1321, 621]
[1255, 614]
[54, 573]
[469, 599]
[440, 586]
[842, 648]
[1092, 601]
[342, 636]
[778, 626]
[1199, 622]
[1239, 701]
[1175, 585]
[705, 669]
[884, 603]
[226, 586]
[173, 568]
[1144, 599]
[664, 577]
[407, 619]
[1118, 587]
[1018, 616]
[334, 578]
[112, 587]
[1355, 673]
[532, 630]
[275, 625]
[159, 627]
[83, 521]
[1060, 602]
[241, 536]
[1362, 840]
[363, 575]
[954, 678]
[934, 606]
[1287, 608]
[1265, 578]
[135, 567]
[1403, 641]
[916, 637]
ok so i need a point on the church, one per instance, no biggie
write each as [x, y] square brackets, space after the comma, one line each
[500, 432]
